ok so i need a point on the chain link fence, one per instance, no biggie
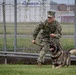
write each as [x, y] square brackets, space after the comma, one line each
[17, 23]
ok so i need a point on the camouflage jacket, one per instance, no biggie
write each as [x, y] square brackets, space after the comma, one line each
[47, 29]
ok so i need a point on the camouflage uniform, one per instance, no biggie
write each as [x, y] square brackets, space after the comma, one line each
[47, 29]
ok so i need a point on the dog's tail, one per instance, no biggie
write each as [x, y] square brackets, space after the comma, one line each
[72, 51]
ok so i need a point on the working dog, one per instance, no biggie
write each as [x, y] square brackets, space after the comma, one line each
[60, 57]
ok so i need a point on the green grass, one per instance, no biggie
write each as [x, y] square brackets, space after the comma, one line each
[20, 42]
[22, 28]
[68, 29]
[35, 70]
[27, 28]
[66, 43]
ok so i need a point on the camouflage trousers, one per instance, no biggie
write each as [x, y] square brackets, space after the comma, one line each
[44, 50]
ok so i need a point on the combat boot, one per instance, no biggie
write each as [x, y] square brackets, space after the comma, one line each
[39, 64]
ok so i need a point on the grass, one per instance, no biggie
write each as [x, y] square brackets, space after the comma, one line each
[66, 43]
[27, 28]
[20, 41]
[68, 29]
[35, 70]
[22, 28]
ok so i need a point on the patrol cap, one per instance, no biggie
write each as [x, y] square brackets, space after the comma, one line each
[51, 13]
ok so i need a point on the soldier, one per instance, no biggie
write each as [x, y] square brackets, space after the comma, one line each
[51, 30]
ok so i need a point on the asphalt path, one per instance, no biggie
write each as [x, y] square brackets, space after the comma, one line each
[28, 36]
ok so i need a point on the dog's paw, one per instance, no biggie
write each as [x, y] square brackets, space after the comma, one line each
[59, 66]
[53, 66]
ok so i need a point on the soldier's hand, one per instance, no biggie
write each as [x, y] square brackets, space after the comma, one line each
[33, 41]
[52, 35]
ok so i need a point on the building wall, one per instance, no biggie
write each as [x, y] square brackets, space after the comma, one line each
[67, 19]
[36, 12]
[65, 16]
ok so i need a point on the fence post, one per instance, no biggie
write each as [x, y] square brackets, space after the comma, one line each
[75, 23]
[15, 25]
[4, 24]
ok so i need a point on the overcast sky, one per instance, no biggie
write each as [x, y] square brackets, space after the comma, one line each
[65, 1]
[58, 1]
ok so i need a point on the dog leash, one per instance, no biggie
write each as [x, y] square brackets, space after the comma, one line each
[38, 44]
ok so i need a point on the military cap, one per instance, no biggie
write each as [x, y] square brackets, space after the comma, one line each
[51, 13]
